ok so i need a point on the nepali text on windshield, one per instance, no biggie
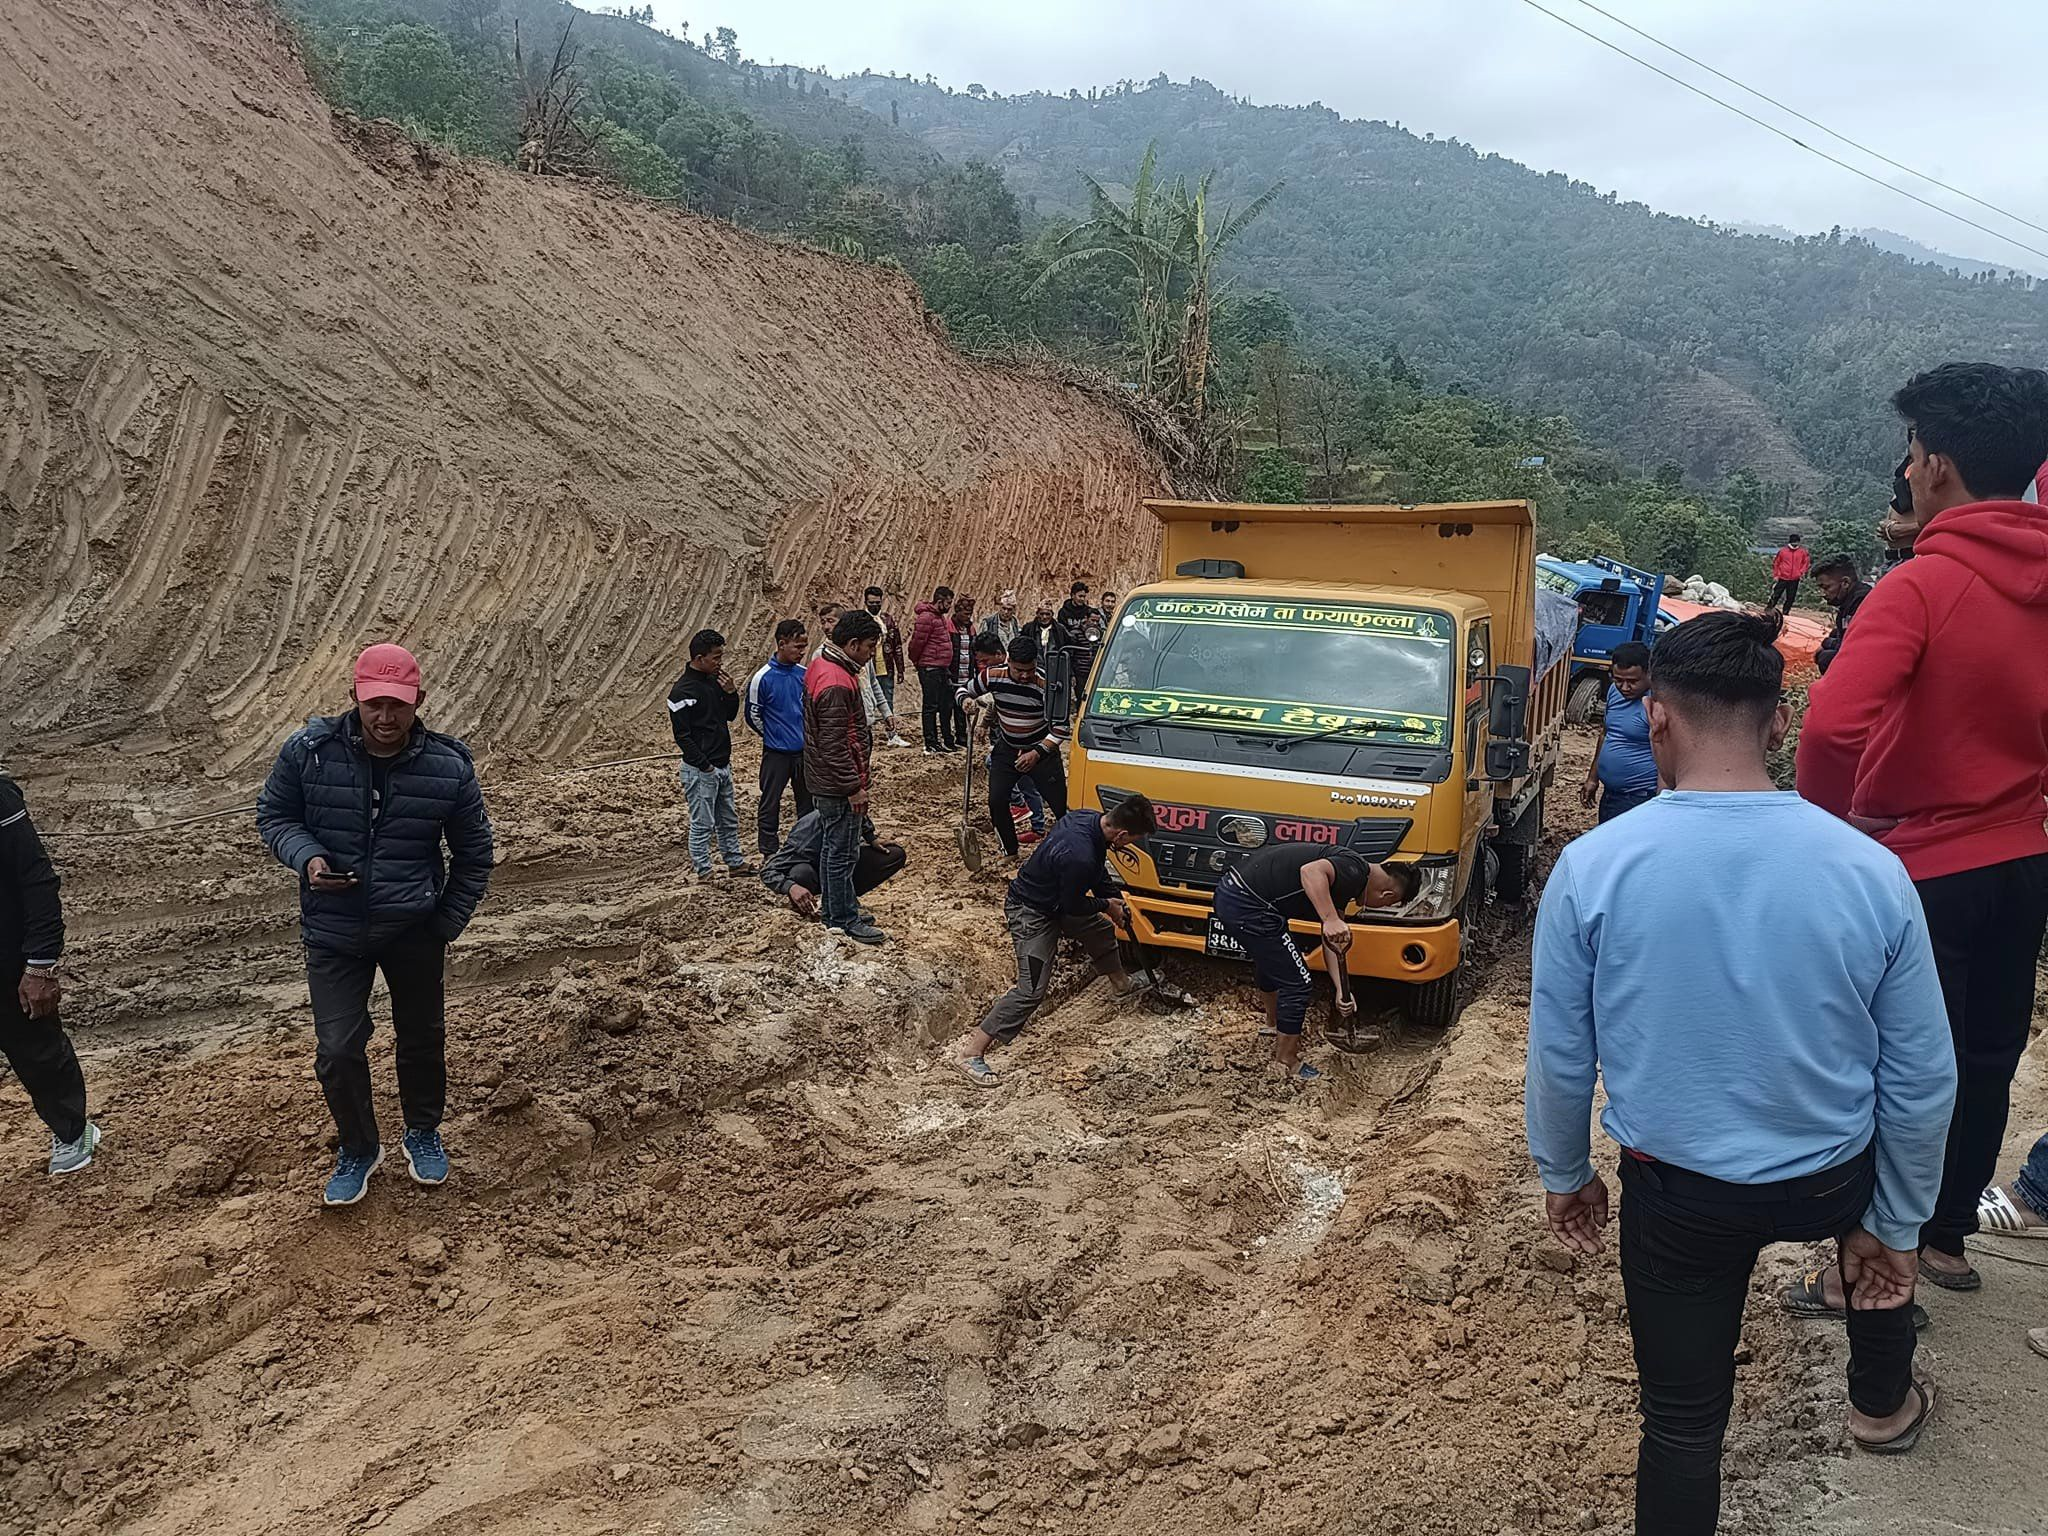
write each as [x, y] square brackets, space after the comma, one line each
[1282, 667]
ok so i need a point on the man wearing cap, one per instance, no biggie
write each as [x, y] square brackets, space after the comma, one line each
[359, 804]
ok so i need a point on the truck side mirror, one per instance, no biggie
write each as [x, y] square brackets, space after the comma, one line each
[1507, 723]
[1059, 684]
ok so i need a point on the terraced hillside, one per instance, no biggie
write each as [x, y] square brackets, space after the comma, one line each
[274, 383]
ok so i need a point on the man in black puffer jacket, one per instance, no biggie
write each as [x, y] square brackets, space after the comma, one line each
[359, 804]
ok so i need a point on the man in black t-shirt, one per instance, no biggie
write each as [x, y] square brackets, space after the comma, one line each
[1294, 882]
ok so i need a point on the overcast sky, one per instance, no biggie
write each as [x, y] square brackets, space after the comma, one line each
[1952, 89]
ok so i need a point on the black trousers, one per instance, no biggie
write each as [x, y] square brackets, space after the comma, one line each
[779, 770]
[1048, 773]
[873, 865]
[1783, 595]
[41, 1055]
[1277, 963]
[936, 685]
[413, 963]
[1986, 925]
[1688, 1244]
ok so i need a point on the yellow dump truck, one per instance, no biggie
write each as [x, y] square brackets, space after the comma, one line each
[1369, 678]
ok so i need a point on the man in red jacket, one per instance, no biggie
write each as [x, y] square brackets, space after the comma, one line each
[838, 747]
[1788, 568]
[931, 652]
[1931, 733]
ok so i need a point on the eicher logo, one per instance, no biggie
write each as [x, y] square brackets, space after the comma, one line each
[1245, 831]
[1181, 818]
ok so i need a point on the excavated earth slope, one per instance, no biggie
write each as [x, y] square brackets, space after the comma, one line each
[274, 383]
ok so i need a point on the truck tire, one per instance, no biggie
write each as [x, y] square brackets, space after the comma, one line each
[1583, 703]
[1518, 858]
[1434, 1005]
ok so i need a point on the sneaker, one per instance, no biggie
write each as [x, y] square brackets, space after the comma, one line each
[1027, 837]
[425, 1157]
[351, 1180]
[898, 741]
[931, 752]
[741, 868]
[981, 1072]
[74, 1156]
[861, 930]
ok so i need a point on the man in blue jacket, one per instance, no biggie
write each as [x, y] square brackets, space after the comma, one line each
[359, 805]
[775, 713]
[1064, 889]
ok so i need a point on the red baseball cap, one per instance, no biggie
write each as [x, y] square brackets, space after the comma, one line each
[388, 672]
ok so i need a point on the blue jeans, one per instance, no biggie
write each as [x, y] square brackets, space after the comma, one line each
[887, 683]
[709, 791]
[838, 850]
[1614, 802]
[2032, 1184]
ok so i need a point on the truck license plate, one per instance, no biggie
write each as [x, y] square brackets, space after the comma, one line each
[1221, 943]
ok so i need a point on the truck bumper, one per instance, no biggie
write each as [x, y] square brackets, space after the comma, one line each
[1397, 954]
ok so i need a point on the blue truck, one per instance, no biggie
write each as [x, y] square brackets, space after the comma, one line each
[1617, 603]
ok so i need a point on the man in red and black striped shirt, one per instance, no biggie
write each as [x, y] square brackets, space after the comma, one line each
[1028, 739]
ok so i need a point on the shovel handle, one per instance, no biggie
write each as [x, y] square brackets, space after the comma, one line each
[1340, 980]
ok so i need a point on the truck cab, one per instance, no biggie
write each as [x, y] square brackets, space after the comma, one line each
[1617, 604]
[1264, 691]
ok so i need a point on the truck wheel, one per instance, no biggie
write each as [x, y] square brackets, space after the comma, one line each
[1518, 858]
[1583, 703]
[1434, 1005]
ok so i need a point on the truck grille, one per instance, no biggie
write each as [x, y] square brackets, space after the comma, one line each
[1196, 845]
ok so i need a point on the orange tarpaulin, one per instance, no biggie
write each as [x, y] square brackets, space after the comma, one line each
[1798, 644]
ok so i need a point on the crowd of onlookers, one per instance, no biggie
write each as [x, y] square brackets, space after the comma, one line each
[1001, 661]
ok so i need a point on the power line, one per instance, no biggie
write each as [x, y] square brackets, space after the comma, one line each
[1896, 165]
[1790, 138]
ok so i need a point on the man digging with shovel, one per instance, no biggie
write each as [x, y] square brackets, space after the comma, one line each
[1064, 889]
[1287, 882]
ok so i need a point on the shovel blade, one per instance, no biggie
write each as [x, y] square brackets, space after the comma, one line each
[970, 846]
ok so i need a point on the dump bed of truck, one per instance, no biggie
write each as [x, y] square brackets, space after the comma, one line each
[1486, 550]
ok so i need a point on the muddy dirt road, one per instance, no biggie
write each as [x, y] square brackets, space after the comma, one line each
[726, 1252]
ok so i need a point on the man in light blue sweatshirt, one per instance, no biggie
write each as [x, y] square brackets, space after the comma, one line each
[1753, 980]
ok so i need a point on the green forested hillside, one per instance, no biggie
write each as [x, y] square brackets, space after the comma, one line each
[1402, 320]
[1665, 338]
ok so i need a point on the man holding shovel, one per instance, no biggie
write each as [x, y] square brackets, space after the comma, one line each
[1288, 882]
[1028, 739]
[1063, 890]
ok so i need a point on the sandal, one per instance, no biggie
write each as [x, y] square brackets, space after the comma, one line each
[1805, 1298]
[981, 1072]
[1998, 1212]
[1908, 1437]
[1968, 1280]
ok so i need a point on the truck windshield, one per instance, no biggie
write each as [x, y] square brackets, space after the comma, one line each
[1280, 666]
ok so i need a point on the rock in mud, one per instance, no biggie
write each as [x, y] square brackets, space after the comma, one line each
[1164, 1446]
[427, 1254]
[512, 1094]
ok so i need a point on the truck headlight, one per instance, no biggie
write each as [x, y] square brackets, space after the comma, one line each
[1439, 893]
